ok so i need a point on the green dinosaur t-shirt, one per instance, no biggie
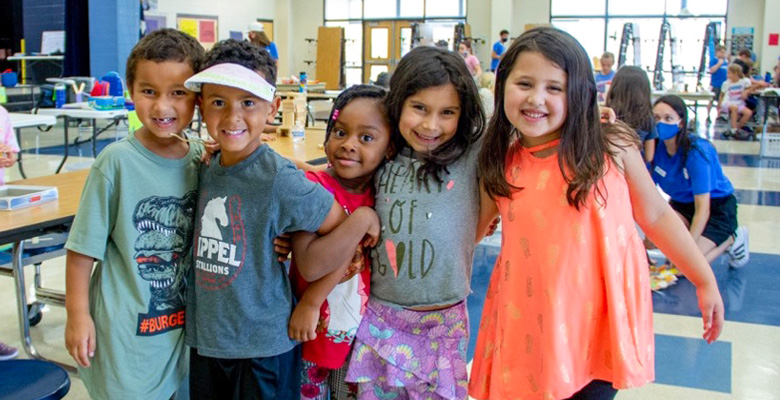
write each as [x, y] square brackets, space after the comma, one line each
[136, 219]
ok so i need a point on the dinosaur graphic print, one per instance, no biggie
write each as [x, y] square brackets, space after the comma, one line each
[163, 254]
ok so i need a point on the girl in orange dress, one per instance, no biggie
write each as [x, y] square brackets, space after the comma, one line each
[568, 312]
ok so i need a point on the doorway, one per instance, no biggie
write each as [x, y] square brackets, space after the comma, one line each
[385, 42]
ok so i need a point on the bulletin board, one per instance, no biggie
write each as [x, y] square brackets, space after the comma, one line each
[204, 28]
[741, 38]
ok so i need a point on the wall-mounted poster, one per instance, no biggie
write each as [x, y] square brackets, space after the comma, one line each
[201, 27]
[154, 22]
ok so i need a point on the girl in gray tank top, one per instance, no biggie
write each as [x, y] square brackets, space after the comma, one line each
[428, 200]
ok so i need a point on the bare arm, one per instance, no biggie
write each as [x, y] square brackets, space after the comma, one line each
[488, 211]
[79, 328]
[317, 256]
[715, 67]
[701, 215]
[477, 69]
[649, 150]
[667, 231]
[303, 322]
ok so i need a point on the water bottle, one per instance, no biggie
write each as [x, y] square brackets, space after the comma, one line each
[768, 77]
[297, 132]
[304, 82]
[59, 95]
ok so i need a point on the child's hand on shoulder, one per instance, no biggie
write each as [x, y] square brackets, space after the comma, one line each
[607, 115]
[267, 137]
[211, 146]
[712, 311]
[283, 247]
[303, 322]
[80, 338]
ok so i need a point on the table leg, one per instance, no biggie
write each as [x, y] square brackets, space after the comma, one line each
[19, 160]
[94, 138]
[21, 299]
[67, 144]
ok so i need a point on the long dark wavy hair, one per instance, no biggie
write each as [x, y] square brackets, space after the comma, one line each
[584, 142]
[629, 96]
[426, 67]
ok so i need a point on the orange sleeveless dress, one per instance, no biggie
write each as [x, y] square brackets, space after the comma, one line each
[569, 299]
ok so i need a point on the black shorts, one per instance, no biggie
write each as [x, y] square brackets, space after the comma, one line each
[723, 217]
[277, 377]
[715, 93]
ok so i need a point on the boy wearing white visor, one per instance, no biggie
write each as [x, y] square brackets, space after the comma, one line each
[239, 296]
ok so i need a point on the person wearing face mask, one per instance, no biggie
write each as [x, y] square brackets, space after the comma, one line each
[498, 49]
[472, 62]
[686, 167]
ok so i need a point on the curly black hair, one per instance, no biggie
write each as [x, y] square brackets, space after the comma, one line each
[164, 45]
[354, 93]
[243, 53]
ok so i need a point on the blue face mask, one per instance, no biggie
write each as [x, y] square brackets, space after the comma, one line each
[667, 131]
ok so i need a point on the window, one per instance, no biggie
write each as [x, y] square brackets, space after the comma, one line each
[442, 15]
[598, 25]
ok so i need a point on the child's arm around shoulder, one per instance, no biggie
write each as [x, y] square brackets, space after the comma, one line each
[666, 230]
[335, 242]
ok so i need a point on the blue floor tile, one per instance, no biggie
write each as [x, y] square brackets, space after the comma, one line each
[749, 294]
[693, 363]
[757, 197]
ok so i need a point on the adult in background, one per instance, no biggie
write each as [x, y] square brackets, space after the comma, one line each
[472, 62]
[257, 35]
[498, 49]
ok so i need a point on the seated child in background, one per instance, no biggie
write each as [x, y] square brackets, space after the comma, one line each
[329, 311]
[733, 93]
[124, 326]
[486, 82]
[8, 145]
[239, 299]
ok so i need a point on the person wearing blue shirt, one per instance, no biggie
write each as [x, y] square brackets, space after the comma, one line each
[687, 169]
[256, 34]
[718, 69]
[498, 49]
[605, 76]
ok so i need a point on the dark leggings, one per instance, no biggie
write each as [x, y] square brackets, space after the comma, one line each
[595, 390]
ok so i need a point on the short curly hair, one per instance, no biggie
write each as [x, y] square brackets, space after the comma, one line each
[164, 45]
[245, 54]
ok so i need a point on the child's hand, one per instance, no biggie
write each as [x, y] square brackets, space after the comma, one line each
[211, 146]
[493, 227]
[712, 312]
[607, 115]
[373, 230]
[282, 247]
[267, 137]
[80, 338]
[303, 322]
[7, 158]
